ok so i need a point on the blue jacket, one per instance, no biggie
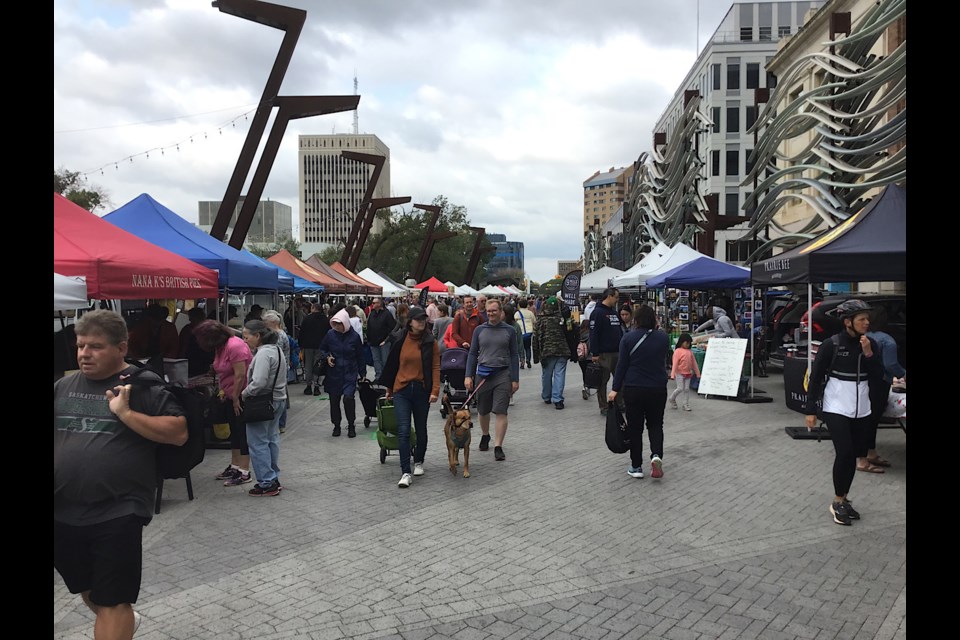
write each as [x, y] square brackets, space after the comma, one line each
[646, 367]
[347, 348]
[605, 331]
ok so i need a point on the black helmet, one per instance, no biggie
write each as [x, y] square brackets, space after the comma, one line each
[850, 308]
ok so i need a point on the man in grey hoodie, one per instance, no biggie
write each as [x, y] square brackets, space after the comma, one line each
[722, 322]
[495, 358]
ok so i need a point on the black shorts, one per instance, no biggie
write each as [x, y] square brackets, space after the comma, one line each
[105, 559]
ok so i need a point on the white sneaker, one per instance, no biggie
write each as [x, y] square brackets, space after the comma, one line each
[137, 618]
[418, 469]
[686, 407]
[673, 404]
[405, 481]
[635, 472]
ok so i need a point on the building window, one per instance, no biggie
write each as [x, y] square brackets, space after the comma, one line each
[715, 76]
[748, 161]
[783, 32]
[753, 75]
[733, 74]
[715, 116]
[715, 162]
[751, 114]
[733, 162]
[731, 204]
[746, 34]
[765, 34]
[733, 119]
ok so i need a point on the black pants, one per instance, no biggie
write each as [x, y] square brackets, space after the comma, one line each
[349, 406]
[849, 437]
[644, 406]
[238, 430]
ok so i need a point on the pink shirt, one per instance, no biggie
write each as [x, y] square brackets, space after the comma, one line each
[684, 363]
[235, 350]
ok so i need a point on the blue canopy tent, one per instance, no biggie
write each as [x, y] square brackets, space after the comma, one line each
[148, 219]
[702, 273]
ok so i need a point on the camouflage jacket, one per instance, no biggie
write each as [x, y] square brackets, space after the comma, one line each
[550, 334]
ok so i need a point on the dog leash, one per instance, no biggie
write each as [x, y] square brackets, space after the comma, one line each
[470, 397]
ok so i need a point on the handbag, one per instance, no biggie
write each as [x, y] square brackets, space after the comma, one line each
[259, 407]
[320, 367]
[615, 434]
[592, 375]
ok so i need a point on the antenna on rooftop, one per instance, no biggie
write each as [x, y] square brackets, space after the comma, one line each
[356, 114]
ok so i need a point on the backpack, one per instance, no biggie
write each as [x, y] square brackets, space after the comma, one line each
[177, 461]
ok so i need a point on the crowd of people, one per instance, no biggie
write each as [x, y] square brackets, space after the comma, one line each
[98, 520]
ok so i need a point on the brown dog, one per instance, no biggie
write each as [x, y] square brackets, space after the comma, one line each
[456, 432]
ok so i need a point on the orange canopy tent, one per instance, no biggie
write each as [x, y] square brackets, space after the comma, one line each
[296, 266]
[372, 289]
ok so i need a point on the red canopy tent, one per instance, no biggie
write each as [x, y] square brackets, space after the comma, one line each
[119, 265]
[432, 285]
[296, 266]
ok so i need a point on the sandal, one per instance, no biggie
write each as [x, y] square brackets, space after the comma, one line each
[869, 468]
[878, 462]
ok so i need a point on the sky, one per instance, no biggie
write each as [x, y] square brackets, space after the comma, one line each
[501, 106]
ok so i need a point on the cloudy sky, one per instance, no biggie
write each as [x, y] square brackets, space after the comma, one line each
[503, 106]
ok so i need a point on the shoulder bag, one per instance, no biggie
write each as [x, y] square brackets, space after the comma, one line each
[259, 407]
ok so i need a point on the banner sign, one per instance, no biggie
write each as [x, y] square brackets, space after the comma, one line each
[570, 289]
[422, 300]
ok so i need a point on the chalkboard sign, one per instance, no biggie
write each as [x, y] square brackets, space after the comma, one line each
[722, 367]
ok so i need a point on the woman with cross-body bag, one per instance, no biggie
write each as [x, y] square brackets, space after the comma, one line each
[641, 375]
[263, 377]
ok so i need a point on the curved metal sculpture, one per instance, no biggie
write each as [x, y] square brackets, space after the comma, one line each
[856, 125]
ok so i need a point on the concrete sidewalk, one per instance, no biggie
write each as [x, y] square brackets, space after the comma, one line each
[735, 541]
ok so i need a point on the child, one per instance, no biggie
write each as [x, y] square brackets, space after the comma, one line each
[684, 368]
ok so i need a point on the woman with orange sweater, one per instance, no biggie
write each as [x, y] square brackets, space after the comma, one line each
[411, 375]
[684, 368]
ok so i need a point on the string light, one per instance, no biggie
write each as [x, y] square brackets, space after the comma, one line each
[174, 145]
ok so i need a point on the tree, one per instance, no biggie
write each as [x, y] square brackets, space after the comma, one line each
[73, 186]
[267, 249]
[395, 250]
[550, 287]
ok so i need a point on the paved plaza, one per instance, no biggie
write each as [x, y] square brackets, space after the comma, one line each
[735, 541]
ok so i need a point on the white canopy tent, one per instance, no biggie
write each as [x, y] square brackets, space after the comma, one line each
[657, 262]
[465, 290]
[491, 290]
[596, 281]
[69, 292]
[390, 290]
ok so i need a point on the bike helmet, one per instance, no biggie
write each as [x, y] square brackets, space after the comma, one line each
[850, 308]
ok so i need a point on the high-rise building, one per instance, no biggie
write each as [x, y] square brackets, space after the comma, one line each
[332, 186]
[566, 266]
[272, 221]
[603, 194]
[728, 72]
[509, 255]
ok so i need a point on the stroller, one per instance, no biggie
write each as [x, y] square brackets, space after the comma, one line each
[369, 393]
[387, 436]
[453, 369]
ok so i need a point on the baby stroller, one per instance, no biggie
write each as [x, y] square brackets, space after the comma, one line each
[387, 436]
[453, 369]
[369, 393]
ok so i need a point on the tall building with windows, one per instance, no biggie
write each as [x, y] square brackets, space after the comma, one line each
[509, 255]
[272, 221]
[332, 186]
[728, 73]
[566, 266]
[603, 194]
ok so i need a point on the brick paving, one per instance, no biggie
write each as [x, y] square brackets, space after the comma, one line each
[555, 542]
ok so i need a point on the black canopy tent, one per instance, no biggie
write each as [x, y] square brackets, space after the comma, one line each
[870, 246]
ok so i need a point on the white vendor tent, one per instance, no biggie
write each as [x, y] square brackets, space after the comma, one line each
[492, 290]
[465, 290]
[596, 281]
[390, 290]
[69, 292]
[654, 264]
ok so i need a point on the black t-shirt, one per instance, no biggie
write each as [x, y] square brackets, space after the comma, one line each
[102, 469]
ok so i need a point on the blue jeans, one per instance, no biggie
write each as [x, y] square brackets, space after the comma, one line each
[380, 354]
[413, 400]
[553, 378]
[263, 439]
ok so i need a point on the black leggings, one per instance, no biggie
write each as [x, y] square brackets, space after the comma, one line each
[238, 430]
[849, 437]
[349, 406]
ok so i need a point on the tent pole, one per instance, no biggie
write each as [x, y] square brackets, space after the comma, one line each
[753, 356]
[809, 326]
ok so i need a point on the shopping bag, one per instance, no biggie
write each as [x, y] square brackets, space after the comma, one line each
[592, 375]
[618, 441]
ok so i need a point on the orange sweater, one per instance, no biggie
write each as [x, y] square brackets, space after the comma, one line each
[411, 366]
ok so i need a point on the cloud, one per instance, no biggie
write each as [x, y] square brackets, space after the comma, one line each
[503, 107]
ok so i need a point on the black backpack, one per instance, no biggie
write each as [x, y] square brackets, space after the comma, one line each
[177, 461]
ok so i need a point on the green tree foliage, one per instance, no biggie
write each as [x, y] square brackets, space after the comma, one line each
[548, 288]
[395, 250]
[73, 186]
[265, 250]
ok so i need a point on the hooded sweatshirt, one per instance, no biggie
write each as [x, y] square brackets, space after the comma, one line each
[722, 323]
[550, 333]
